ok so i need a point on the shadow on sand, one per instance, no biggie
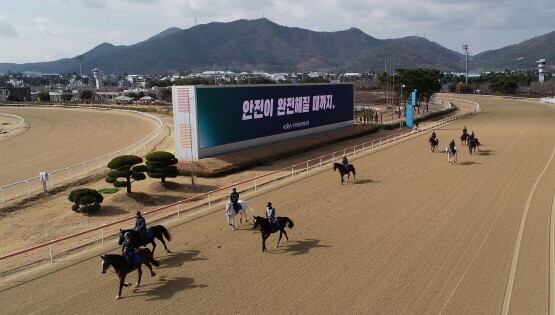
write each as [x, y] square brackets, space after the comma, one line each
[302, 247]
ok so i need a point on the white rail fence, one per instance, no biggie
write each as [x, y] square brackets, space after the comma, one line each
[99, 235]
[66, 174]
[20, 120]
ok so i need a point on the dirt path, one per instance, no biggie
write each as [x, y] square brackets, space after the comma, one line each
[412, 235]
[55, 138]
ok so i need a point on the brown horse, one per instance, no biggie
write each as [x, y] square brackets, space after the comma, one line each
[472, 144]
[433, 143]
[464, 137]
[122, 268]
[343, 171]
[266, 228]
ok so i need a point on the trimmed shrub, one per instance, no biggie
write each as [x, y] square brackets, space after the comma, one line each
[161, 164]
[125, 166]
[85, 200]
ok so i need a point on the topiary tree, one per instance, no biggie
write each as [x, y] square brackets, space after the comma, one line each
[125, 166]
[85, 200]
[161, 164]
[86, 95]
[43, 96]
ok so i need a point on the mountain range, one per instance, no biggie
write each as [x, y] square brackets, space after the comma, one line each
[261, 44]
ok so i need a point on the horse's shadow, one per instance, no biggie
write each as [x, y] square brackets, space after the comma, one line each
[468, 163]
[363, 181]
[165, 289]
[302, 247]
[176, 259]
[486, 152]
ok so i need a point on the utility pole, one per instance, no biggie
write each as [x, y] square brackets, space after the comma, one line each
[465, 48]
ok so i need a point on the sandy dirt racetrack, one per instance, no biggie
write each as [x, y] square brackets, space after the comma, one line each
[56, 138]
[414, 235]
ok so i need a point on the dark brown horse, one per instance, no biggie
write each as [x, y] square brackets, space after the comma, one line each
[122, 268]
[157, 231]
[464, 137]
[433, 143]
[266, 228]
[472, 144]
[343, 171]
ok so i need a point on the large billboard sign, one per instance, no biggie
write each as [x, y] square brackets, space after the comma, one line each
[228, 118]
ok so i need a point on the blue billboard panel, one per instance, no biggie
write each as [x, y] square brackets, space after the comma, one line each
[237, 113]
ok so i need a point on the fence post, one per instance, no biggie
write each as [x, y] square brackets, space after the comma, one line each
[320, 162]
[69, 175]
[307, 166]
[28, 187]
[51, 256]
[102, 235]
[363, 147]
[178, 211]
[255, 185]
[209, 202]
[354, 150]
[291, 171]
[372, 148]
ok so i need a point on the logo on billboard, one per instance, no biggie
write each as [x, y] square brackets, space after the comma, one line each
[300, 124]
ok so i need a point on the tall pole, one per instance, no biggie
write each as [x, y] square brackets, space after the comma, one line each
[465, 48]
[214, 58]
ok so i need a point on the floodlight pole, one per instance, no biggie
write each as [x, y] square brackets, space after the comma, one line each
[214, 58]
[465, 48]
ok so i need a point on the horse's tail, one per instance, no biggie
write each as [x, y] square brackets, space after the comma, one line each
[165, 232]
[154, 262]
[290, 225]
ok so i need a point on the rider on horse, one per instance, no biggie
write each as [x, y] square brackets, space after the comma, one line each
[271, 214]
[140, 225]
[234, 198]
[471, 136]
[452, 146]
[345, 162]
[465, 131]
[434, 135]
[128, 248]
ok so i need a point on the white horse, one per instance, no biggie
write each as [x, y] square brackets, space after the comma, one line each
[451, 156]
[230, 213]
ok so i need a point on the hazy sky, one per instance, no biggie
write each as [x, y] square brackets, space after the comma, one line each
[46, 30]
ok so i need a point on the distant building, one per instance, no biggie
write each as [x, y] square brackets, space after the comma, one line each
[16, 94]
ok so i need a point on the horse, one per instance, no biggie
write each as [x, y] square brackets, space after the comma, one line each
[122, 268]
[157, 231]
[344, 172]
[451, 156]
[472, 144]
[230, 213]
[433, 143]
[266, 228]
[464, 137]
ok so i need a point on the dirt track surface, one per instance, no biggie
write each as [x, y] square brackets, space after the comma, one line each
[55, 138]
[412, 235]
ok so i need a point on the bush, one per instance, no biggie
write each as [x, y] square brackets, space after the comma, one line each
[161, 164]
[124, 166]
[85, 200]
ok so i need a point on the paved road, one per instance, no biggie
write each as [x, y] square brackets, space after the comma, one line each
[412, 235]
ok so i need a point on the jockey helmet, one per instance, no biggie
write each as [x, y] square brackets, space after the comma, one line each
[233, 190]
[269, 204]
[138, 213]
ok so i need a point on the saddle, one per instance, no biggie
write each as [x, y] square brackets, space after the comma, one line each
[237, 207]
[133, 259]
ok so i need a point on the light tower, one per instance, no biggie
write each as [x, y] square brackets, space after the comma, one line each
[465, 48]
[97, 74]
[541, 69]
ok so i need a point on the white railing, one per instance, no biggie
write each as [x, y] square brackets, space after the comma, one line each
[100, 234]
[19, 119]
[30, 185]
